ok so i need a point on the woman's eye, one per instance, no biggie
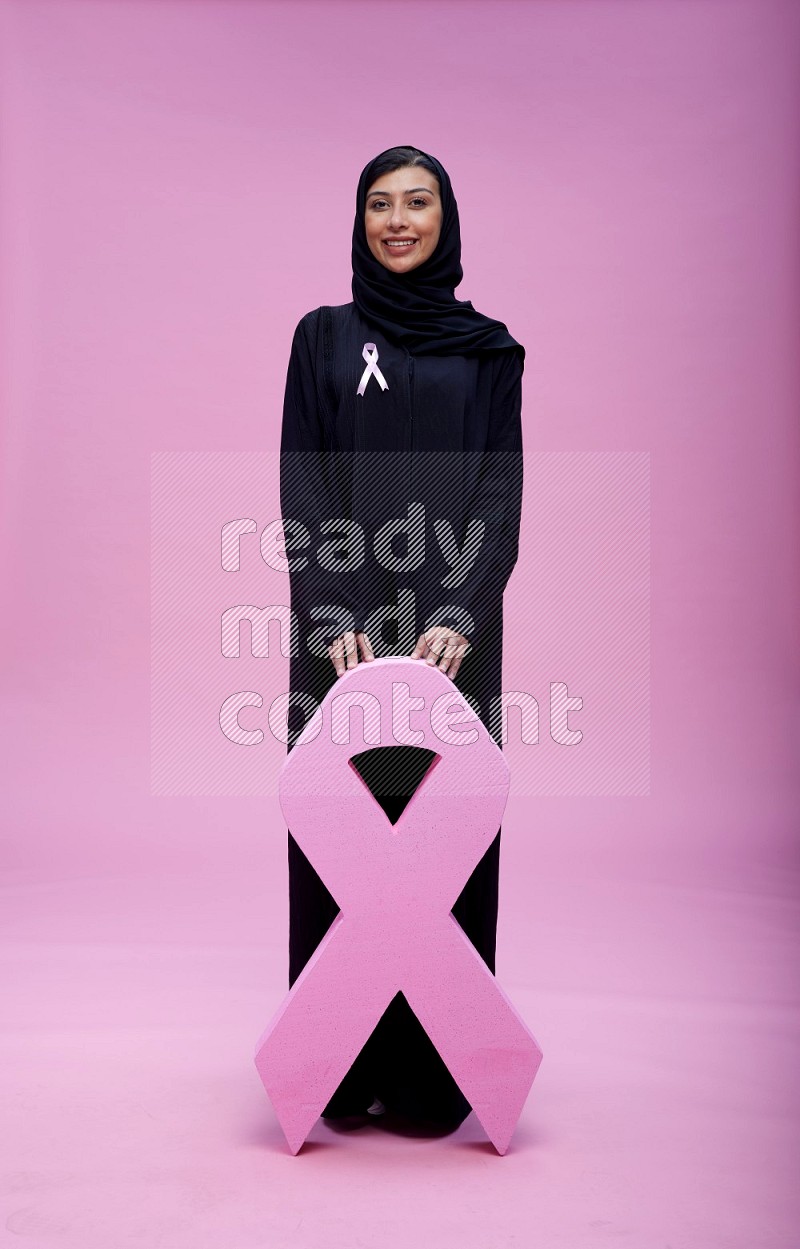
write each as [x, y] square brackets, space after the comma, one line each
[422, 203]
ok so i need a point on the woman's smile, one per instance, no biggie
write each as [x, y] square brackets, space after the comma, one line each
[400, 248]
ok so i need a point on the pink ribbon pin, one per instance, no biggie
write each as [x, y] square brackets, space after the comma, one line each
[370, 354]
[395, 885]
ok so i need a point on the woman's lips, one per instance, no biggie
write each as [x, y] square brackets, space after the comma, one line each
[397, 247]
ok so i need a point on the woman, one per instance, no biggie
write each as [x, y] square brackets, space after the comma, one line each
[401, 420]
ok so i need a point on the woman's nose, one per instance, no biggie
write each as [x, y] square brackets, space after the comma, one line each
[398, 219]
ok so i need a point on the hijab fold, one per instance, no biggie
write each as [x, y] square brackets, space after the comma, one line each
[419, 309]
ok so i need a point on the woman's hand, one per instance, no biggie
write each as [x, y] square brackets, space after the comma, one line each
[443, 647]
[344, 651]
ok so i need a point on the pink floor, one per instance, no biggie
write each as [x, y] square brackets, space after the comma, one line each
[664, 1113]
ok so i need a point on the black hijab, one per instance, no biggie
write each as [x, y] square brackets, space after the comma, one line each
[419, 309]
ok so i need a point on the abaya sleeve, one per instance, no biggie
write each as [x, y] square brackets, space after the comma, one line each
[313, 491]
[496, 501]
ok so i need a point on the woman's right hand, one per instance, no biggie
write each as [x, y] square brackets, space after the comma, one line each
[344, 651]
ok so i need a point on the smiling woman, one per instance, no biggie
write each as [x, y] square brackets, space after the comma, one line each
[403, 222]
[431, 427]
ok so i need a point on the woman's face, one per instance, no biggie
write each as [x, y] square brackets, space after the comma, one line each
[403, 218]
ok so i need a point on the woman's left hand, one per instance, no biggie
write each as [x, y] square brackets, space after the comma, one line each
[443, 647]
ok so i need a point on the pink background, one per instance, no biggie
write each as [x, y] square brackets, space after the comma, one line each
[178, 185]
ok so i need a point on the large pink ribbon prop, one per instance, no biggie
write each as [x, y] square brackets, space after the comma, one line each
[395, 885]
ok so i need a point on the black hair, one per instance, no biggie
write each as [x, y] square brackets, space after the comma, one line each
[401, 158]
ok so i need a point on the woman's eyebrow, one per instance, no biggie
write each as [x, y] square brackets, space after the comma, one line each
[413, 191]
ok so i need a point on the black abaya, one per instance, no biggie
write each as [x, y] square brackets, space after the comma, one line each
[444, 433]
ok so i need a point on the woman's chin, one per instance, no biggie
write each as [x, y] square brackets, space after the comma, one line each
[401, 265]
